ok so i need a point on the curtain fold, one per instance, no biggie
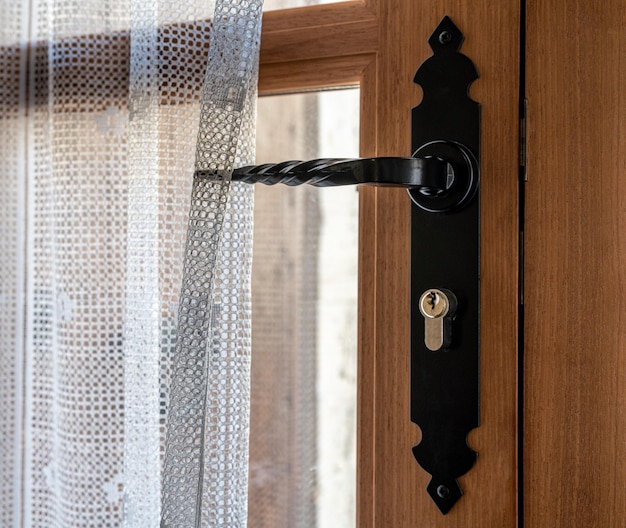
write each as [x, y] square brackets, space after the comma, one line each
[99, 120]
[206, 458]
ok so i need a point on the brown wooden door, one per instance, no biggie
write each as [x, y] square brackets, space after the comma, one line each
[379, 44]
[392, 485]
[571, 380]
[575, 268]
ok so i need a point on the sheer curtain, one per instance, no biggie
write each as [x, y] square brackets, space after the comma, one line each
[100, 105]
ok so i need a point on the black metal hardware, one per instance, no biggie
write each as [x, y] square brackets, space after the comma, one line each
[445, 255]
[442, 179]
[432, 175]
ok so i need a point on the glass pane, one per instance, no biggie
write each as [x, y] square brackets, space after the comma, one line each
[304, 288]
[271, 5]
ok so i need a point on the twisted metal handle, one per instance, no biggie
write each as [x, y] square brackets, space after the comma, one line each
[431, 174]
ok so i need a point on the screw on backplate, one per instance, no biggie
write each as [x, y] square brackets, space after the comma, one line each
[445, 37]
[443, 491]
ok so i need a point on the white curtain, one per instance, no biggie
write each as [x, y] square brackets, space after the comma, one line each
[100, 106]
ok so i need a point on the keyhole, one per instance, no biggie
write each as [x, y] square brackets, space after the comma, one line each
[433, 300]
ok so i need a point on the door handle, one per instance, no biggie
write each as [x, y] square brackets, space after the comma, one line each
[434, 175]
[442, 178]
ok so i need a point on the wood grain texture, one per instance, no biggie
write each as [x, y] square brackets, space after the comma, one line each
[350, 12]
[366, 366]
[316, 47]
[295, 76]
[333, 30]
[393, 491]
[575, 279]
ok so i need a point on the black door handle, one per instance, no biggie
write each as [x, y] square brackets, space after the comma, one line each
[432, 174]
[442, 179]
[442, 176]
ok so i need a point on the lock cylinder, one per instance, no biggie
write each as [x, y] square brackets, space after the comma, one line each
[438, 306]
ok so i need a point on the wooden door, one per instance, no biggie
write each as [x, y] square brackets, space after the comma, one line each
[392, 485]
[575, 269]
[379, 44]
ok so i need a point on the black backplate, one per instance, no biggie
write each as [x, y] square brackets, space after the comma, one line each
[445, 254]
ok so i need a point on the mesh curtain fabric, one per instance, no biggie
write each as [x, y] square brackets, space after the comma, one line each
[99, 112]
